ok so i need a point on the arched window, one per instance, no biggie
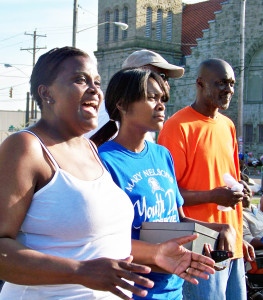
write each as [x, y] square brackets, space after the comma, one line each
[116, 28]
[125, 20]
[148, 27]
[255, 78]
[169, 26]
[159, 25]
[107, 27]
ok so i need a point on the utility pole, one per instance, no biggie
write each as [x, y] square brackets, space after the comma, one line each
[242, 70]
[34, 49]
[75, 22]
[27, 109]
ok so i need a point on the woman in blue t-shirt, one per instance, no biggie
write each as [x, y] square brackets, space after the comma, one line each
[135, 98]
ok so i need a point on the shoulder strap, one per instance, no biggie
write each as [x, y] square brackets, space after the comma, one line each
[93, 147]
[95, 151]
[44, 147]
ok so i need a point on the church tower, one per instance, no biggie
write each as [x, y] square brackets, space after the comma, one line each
[153, 24]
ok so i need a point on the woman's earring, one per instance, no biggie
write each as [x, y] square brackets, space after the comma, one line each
[50, 101]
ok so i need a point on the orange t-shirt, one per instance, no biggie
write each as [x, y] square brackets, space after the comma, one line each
[203, 150]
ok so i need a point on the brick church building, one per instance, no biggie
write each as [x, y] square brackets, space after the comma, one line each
[186, 35]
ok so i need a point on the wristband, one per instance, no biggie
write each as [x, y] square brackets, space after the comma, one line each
[261, 240]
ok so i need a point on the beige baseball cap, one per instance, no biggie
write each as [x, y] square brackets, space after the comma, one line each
[145, 57]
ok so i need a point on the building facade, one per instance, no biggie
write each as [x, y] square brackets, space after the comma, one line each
[10, 122]
[154, 25]
[223, 39]
[158, 26]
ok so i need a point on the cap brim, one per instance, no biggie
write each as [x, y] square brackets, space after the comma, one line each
[172, 70]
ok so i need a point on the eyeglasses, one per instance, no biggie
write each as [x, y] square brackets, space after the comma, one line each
[164, 77]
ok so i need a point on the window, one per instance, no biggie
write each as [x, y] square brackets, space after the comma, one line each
[169, 26]
[159, 25]
[248, 132]
[125, 20]
[107, 27]
[116, 28]
[260, 133]
[148, 28]
[255, 78]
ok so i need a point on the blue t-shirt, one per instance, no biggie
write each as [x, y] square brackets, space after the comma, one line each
[148, 179]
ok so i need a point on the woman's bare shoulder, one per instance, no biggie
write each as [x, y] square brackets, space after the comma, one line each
[20, 161]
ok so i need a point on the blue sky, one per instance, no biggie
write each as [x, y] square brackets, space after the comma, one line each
[50, 18]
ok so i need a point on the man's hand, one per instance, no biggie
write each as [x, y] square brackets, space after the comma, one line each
[247, 191]
[248, 251]
[227, 238]
[226, 197]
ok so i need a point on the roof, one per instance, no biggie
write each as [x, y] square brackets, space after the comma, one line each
[195, 19]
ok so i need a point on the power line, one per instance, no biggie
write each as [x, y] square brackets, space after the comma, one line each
[16, 64]
[13, 76]
[88, 11]
[5, 88]
[11, 37]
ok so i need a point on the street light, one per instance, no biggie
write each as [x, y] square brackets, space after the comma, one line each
[123, 26]
[11, 66]
[27, 97]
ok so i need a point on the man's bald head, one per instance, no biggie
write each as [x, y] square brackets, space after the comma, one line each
[213, 65]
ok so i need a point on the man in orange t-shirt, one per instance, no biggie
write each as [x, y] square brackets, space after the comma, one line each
[203, 144]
